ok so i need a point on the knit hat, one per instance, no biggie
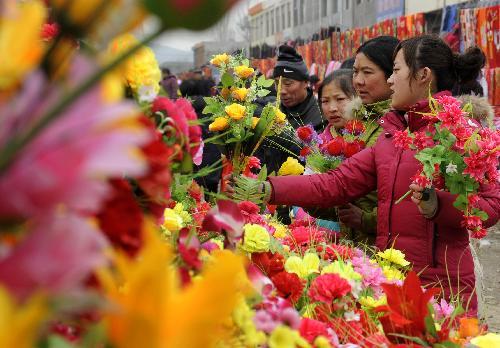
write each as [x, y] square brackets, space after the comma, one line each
[290, 64]
[380, 51]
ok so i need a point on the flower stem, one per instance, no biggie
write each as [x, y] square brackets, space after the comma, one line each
[17, 143]
[403, 197]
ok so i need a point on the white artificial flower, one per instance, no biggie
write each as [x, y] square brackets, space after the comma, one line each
[351, 316]
[451, 168]
[146, 94]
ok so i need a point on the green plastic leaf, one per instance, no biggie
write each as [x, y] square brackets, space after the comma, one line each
[268, 83]
[227, 79]
[263, 92]
[430, 326]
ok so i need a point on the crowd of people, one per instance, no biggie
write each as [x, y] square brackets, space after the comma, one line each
[386, 85]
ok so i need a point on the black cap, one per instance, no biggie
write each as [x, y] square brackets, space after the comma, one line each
[290, 64]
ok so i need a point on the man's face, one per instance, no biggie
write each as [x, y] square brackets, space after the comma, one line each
[293, 92]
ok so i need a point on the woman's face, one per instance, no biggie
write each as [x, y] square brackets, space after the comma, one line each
[369, 80]
[333, 102]
[403, 95]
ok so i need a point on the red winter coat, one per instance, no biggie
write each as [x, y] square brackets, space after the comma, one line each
[438, 246]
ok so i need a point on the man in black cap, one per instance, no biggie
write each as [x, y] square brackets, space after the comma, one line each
[297, 99]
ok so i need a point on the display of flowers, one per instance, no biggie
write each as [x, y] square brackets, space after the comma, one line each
[322, 154]
[457, 155]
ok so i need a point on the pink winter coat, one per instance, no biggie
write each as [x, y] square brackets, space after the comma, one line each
[438, 246]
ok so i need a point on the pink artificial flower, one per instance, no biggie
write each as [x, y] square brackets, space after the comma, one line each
[402, 139]
[372, 275]
[69, 162]
[443, 309]
[56, 256]
[176, 115]
[226, 216]
[194, 129]
[50, 31]
[274, 311]
[261, 283]
[328, 287]
[310, 329]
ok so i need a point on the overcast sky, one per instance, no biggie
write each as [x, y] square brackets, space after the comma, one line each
[185, 39]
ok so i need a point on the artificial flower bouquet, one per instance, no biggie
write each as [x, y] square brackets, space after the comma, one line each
[323, 153]
[457, 155]
[237, 129]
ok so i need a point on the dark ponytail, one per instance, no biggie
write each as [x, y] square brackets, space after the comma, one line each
[453, 72]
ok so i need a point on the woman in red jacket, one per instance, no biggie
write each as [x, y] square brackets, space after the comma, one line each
[429, 232]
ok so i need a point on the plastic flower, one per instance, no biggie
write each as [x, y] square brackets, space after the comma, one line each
[220, 59]
[303, 266]
[139, 70]
[20, 25]
[285, 337]
[243, 318]
[235, 111]
[243, 71]
[343, 269]
[328, 287]
[255, 120]
[451, 168]
[20, 324]
[153, 310]
[370, 302]
[402, 139]
[280, 116]
[255, 239]
[219, 124]
[291, 167]
[486, 341]
[392, 274]
[288, 285]
[311, 329]
[240, 94]
[394, 256]
[172, 221]
[280, 230]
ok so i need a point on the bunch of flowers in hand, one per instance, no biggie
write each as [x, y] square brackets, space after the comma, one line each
[236, 127]
[322, 154]
[457, 155]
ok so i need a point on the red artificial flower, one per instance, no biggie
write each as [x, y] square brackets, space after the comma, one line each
[194, 129]
[175, 113]
[310, 329]
[269, 263]
[50, 31]
[473, 200]
[252, 163]
[248, 207]
[120, 218]
[422, 140]
[352, 148]
[301, 238]
[402, 139]
[335, 147]
[334, 251]
[328, 287]
[348, 331]
[305, 151]
[406, 309]
[288, 285]
[305, 133]
[420, 180]
[355, 127]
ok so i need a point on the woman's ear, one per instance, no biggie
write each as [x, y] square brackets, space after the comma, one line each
[425, 76]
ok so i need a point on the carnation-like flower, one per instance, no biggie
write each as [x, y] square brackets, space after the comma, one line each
[285, 337]
[240, 94]
[220, 59]
[328, 287]
[172, 221]
[219, 124]
[243, 71]
[255, 239]
[393, 274]
[310, 329]
[303, 266]
[305, 133]
[343, 269]
[370, 302]
[291, 167]
[235, 111]
[394, 256]
[280, 230]
[288, 285]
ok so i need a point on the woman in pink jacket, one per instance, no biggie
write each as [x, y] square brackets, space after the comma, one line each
[428, 231]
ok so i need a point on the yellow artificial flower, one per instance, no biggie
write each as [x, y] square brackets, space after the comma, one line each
[220, 59]
[172, 221]
[243, 318]
[180, 210]
[139, 70]
[236, 111]
[285, 337]
[489, 340]
[20, 324]
[392, 273]
[240, 94]
[219, 124]
[322, 342]
[280, 116]
[394, 256]
[291, 167]
[343, 269]
[370, 302]
[303, 267]
[20, 42]
[280, 230]
[243, 71]
[155, 311]
[256, 239]
[255, 120]
[308, 311]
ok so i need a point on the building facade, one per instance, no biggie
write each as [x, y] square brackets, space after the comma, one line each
[275, 21]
